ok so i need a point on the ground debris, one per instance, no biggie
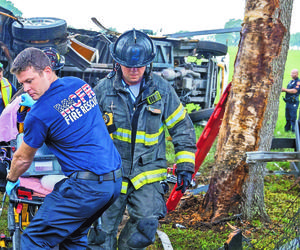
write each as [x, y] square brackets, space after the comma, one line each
[186, 213]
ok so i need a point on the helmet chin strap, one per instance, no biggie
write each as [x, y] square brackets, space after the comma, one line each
[116, 66]
[149, 69]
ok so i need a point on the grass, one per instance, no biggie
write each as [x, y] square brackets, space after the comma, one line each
[278, 200]
[280, 207]
[183, 239]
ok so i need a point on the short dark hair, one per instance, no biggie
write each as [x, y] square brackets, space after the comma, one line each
[30, 57]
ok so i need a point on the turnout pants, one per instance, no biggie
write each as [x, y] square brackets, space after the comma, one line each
[145, 207]
[67, 213]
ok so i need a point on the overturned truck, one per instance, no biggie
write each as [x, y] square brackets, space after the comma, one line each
[87, 56]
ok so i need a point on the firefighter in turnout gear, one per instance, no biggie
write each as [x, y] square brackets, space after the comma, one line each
[292, 101]
[142, 105]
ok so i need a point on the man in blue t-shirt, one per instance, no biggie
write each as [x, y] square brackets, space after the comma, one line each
[67, 119]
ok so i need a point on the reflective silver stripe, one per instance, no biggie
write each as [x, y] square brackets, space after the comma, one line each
[148, 139]
[149, 177]
[124, 187]
[185, 156]
[177, 116]
[141, 136]
[122, 134]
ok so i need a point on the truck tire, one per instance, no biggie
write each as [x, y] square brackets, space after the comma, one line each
[202, 114]
[39, 29]
[213, 48]
[60, 45]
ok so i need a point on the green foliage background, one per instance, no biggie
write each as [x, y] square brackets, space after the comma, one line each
[10, 6]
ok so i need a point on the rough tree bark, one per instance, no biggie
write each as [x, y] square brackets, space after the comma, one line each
[251, 112]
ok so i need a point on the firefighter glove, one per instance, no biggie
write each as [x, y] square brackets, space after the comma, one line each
[12, 185]
[26, 100]
[184, 179]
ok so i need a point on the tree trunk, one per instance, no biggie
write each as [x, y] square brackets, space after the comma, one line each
[251, 112]
[253, 205]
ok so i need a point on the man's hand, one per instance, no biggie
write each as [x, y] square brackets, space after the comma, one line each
[184, 179]
[11, 185]
[26, 100]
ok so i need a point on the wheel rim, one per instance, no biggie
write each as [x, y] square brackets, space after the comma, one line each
[39, 22]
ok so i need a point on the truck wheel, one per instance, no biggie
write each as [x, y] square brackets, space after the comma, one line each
[60, 45]
[213, 48]
[39, 29]
[202, 114]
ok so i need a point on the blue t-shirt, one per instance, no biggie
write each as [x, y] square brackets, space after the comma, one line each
[68, 119]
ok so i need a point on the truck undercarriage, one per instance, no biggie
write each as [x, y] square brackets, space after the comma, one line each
[192, 67]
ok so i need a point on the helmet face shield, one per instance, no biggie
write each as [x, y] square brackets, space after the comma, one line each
[133, 49]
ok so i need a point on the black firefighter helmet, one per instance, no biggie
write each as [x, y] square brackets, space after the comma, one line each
[57, 60]
[133, 49]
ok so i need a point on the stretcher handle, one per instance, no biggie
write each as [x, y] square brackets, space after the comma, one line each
[14, 199]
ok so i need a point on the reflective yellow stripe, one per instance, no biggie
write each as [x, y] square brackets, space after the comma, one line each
[122, 134]
[177, 116]
[141, 136]
[185, 156]
[6, 90]
[149, 177]
[124, 187]
[148, 139]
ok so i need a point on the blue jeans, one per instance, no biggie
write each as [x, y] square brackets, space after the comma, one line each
[67, 213]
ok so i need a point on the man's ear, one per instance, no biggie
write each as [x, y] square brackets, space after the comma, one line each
[48, 72]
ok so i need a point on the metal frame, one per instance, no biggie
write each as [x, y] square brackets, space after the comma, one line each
[292, 157]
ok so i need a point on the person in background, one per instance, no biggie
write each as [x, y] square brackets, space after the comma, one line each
[139, 106]
[66, 117]
[7, 90]
[292, 101]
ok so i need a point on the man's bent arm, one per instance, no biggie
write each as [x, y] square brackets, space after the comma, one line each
[290, 91]
[21, 161]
